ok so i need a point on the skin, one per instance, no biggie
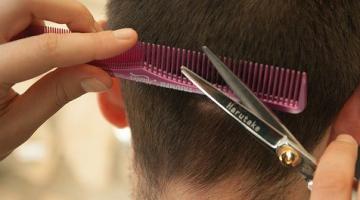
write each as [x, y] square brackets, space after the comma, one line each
[333, 179]
[336, 169]
[21, 115]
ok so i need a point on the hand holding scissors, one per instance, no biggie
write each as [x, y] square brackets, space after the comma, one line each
[335, 176]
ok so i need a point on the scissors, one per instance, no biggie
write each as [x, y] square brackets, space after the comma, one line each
[256, 118]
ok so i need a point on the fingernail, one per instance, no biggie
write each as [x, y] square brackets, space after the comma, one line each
[124, 34]
[93, 85]
[346, 138]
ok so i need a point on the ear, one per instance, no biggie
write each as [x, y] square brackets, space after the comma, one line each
[112, 105]
[348, 119]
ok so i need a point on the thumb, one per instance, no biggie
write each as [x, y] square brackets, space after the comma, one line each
[46, 97]
[335, 172]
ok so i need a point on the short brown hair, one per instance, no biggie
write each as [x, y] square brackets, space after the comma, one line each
[181, 135]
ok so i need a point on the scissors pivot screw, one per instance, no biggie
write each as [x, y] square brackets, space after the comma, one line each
[288, 156]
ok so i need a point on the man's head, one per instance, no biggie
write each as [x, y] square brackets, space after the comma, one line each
[184, 144]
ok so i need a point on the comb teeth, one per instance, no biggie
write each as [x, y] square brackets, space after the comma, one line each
[281, 89]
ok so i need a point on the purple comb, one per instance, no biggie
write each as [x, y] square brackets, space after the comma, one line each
[279, 88]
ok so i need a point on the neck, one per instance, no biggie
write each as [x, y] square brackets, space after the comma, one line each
[234, 189]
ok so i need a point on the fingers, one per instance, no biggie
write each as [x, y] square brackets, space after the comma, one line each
[27, 58]
[20, 13]
[46, 97]
[70, 12]
[335, 172]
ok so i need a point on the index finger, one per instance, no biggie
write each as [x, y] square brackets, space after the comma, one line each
[29, 57]
[335, 173]
[21, 13]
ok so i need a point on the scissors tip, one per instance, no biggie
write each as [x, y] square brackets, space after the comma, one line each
[183, 68]
[211, 55]
[206, 50]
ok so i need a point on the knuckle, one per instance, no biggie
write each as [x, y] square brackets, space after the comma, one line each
[103, 44]
[97, 42]
[61, 94]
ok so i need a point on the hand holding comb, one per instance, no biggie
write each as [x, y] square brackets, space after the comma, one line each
[279, 88]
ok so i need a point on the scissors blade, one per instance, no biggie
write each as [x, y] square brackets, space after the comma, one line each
[259, 128]
[255, 125]
[247, 97]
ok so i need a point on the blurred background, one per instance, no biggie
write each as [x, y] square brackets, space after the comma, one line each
[75, 155]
